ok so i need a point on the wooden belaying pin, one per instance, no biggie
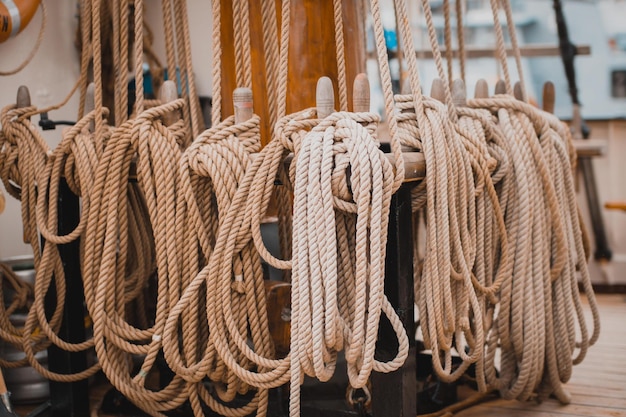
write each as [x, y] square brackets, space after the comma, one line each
[482, 89]
[406, 86]
[361, 94]
[23, 97]
[437, 90]
[23, 100]
[518, 93]
[500, 87]
[324, 97]
[242, 102]
[459, 93]
[90, 104]
[548, 98]
[169, 93]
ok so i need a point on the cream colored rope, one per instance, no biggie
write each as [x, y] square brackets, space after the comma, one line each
[341, 55]
[540, 305]
[506, 4]
[445, 289]
[320, 326]
[107, 285]
[460, 31]
[500, 217]
[31, 172]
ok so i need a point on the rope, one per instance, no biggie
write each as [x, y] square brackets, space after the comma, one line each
[500, 46]
[460, 32]
[540, 305]
[496, 272]
[328, 310]
[219, 156]
[18, 297]
[385, 75]
[503, 252]
[448, 37]
[117, 207]
[518, 57]
[32, 172]
[341, 57]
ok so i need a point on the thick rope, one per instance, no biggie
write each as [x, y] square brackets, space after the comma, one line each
[341, 54]
[108, 288]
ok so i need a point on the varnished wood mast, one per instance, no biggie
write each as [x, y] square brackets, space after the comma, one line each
[311, 51]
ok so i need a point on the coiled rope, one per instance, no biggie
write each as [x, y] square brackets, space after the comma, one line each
[521, 227]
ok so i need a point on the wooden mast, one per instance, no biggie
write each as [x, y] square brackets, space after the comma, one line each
[311, 52]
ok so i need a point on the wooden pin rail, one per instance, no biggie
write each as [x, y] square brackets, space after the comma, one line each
[531, 51]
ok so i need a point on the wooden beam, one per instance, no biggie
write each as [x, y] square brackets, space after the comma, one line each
[590, 147]
[538, 50]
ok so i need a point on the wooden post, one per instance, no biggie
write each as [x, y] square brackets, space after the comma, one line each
[361, 94]
[243, 104]
[482, 89]
[500, 87]
[549, 97]
[169, 93]
[325, 97]
[517, 91]
[459, 93]
[395, 394]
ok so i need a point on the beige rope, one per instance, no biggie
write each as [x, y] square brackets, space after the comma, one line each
[27, 158]
[445, 292]
[20, 294]
[191, 112]
[381, 50]
[507, 242]
[460, 31]
[320, 326]
[448, 38]
[513, 35]
[341, 57]
[75, 158]
[107, 288]
[212, 152]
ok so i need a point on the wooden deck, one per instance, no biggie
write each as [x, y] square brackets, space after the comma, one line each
[598, 384]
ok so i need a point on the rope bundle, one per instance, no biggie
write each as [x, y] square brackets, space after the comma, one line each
[128, 236]
[502, 228]
[24, 155]
[540, 304]
[337, 288]
[211, 171]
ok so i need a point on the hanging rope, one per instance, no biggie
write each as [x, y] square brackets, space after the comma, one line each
[116, 208]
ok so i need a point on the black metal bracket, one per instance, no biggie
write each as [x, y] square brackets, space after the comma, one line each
[394, 394]
[47, 124]
[69, 399]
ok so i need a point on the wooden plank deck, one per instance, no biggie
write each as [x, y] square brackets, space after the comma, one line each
[598, 384]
